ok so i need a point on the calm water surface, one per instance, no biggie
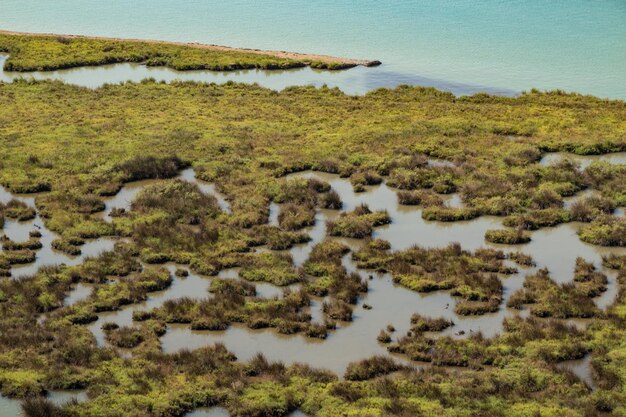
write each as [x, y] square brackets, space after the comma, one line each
[506, 45]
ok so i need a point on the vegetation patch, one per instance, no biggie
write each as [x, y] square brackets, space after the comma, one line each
[269, 267]
[549, 299]
[371, 368]
[244, 138]
[469, 276]
[507, 236]
[605, 231]
[46, 53]
[428, 324]
[18, 210]
[358, 224]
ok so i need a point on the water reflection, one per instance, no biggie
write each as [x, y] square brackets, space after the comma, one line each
[358, 80]
[12, 407]
[62, 397]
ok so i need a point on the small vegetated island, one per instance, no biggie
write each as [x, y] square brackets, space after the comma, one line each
[76, 147]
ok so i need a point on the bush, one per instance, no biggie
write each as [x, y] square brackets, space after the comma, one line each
[41, 407]
[507, 236]
[18, 210]
[590, 208]
[384, 337]
[371, 368]
[125, 337]
[357, 224]
[294, 217]
[447, 214]
[64, 245]
[31, 244]
[537, 219]
[427, 324]
[605, 231]
[331, 201]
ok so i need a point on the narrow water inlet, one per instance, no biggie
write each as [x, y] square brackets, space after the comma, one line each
[355, 81]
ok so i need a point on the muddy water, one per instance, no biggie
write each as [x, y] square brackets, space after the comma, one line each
[10, 407]
[355, 81]
[582, 369]
[555, 248]
[207, 188]
[351, 341]
[19, 231]
[584, 160]
[61, 398]
[124, 198]
[273, 216]
[79, 293]
[209, 412]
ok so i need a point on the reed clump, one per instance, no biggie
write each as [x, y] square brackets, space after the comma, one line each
[371, 368]
[358, 224]
[549, 299]
[507, 236]
[605, 231]
[18, 210]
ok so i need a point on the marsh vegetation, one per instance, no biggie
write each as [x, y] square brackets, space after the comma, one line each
[46, 53]
[487, 323]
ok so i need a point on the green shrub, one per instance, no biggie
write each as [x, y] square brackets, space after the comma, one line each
[507, 236]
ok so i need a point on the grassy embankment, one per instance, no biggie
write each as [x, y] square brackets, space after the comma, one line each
[31, 52]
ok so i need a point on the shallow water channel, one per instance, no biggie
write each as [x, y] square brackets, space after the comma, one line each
[354, 81]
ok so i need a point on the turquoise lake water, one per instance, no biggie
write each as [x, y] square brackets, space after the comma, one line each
[576, 45]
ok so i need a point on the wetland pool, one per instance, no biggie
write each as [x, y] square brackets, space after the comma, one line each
[555, 248]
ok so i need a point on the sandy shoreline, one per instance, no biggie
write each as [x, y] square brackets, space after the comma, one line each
[279, 54]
